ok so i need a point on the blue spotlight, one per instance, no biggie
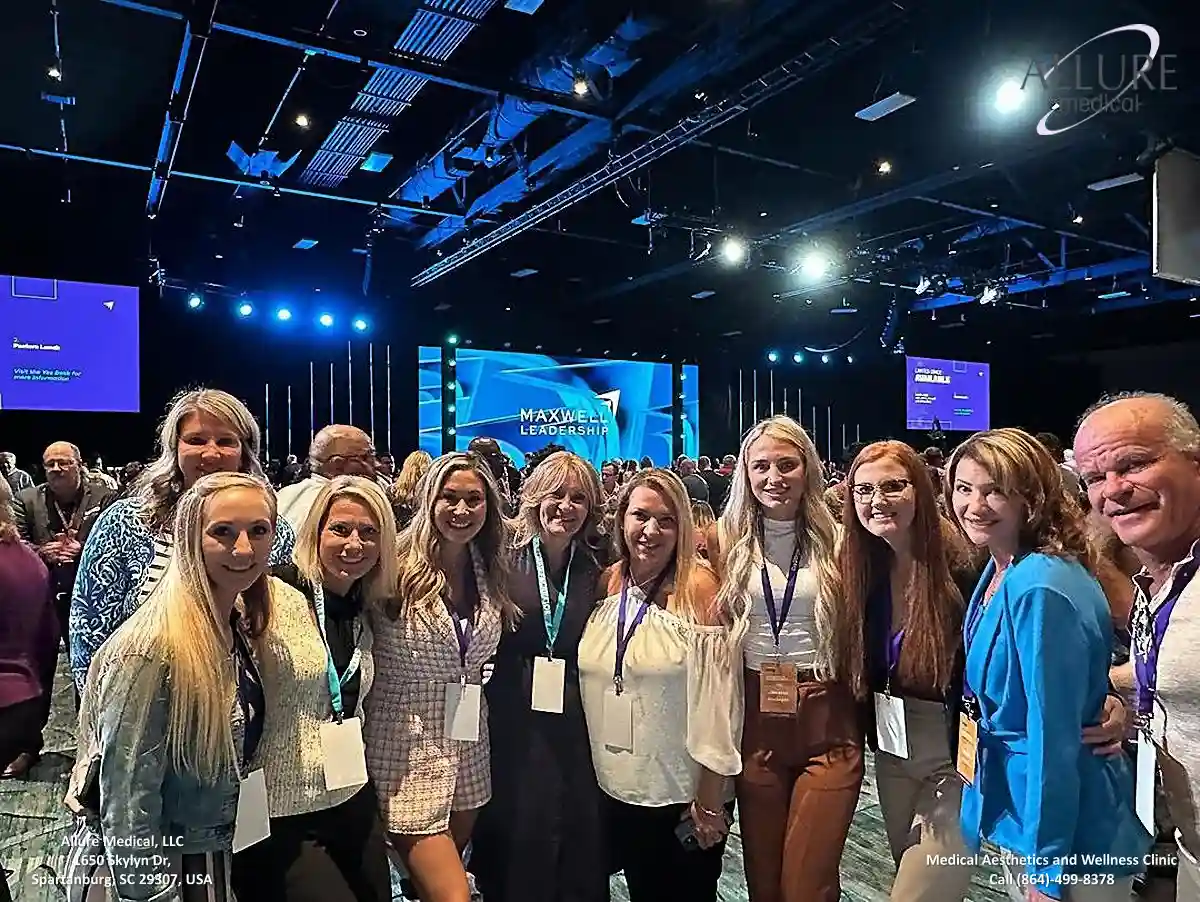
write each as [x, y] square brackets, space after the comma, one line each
[772, 356]
[360, 325]
[195, 302]
[283, 314]
[797, 357]
[325, 320]
[824, 358]
[849, 359]
[245, 310]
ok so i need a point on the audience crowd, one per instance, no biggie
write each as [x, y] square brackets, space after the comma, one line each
[513, 682]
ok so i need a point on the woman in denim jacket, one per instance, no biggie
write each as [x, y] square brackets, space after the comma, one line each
[173, 708]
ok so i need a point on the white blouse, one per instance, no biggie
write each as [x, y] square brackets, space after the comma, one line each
[797, 638]
[684, 684]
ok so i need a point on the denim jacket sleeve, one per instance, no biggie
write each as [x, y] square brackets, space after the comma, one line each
[1050, 647]
[101, 587]
[132, 739]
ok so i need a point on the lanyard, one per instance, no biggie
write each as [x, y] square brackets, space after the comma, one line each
[894, 642]
[1145, 656]
[552, 619]
[624, 638]
[335, 682]
[779, 615]
[249, 697]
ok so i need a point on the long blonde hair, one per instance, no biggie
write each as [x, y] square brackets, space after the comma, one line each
[740, 535]
[177, 629]
[684, 560]
[548, 477]
[379, 585]
[161, 484]
[421, 581]
[416, 465]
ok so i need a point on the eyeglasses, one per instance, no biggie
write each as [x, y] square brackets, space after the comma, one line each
[888, 489]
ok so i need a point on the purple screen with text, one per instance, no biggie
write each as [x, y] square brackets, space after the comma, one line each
[953, 392]
[70, 346]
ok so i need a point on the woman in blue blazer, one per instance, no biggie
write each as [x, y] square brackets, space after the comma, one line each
[1038, 637]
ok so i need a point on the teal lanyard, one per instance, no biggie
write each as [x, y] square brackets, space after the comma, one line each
[335, 682]
[552, 619]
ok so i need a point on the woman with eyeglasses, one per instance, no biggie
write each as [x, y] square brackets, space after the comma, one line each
[659, 666]
[541, 838]
[327, 843]
[1038, 640]
[426, 727]
[205, 431]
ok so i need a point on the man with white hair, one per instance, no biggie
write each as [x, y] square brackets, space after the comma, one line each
[337, 450]
[1139, 458]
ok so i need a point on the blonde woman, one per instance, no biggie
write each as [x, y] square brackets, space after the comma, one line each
[659, 672]
[704, 521]
[426, 720]
[173, 708]
[403, 492]
[802, 746]
[1038, 638]
[326, 838]
[540, 839]
[205, 431]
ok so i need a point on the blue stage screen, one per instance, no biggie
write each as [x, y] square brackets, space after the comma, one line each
[74, 346]
[600, 409]
[691, 410]
[950, 394]
[429, 399]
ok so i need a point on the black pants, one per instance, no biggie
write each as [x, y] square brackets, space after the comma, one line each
[335, 855]
[21, 728]
[656, 865]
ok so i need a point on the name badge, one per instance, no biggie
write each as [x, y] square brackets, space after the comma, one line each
[549, 681]
[463, 711]
[777, 692]
[252, 823]
[968, 747]
[617, 727]
[343, 754]
[891, 730]
[1145, 772]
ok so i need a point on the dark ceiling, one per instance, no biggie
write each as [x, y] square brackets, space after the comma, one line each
[702, 121]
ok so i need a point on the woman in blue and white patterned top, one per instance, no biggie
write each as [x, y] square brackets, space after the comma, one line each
[205, 431]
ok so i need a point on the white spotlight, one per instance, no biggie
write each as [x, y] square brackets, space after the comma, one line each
[54, 72]
[885, 167]
[815, 265]
[302, 121]
[580, 86]
[733, 250]
[1009, 97]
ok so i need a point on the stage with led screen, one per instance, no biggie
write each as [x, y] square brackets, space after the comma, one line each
[598, 408]
[71, 346]
[429, 399]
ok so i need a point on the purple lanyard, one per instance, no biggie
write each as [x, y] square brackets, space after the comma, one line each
[624, 638]
[462, 633]
[895, 643]
[779, 616]
[1145, 662]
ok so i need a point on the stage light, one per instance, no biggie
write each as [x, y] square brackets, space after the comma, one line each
[849, 359]
[797, 357]
[451, 339]
[325, 320]
[1078, 220]
[302, 121]
[733, 250]
[195, 302]
[815, 265]
[283, 314]
[580, 85]
[245, 310]
[824, 358]
[55, 72]
[885, 167]
[360, 325]
[772, 356]
[1009, 97]
[450, 408]
[450, 431]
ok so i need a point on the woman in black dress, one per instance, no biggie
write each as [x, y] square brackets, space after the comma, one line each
[541, 838]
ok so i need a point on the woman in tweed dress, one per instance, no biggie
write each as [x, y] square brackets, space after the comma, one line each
[430, 648]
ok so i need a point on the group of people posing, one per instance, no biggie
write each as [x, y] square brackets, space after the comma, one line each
[268, 712]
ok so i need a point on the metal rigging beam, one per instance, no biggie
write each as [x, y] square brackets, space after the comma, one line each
[850, 39]
[476, 82]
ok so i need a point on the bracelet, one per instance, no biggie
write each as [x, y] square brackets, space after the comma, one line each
[707, 812]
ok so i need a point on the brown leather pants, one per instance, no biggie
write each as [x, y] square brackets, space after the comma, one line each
[798, 791]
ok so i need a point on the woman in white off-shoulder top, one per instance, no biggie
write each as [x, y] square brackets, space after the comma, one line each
[660, 678]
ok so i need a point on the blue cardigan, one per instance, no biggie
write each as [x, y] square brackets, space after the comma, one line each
[1037, 660]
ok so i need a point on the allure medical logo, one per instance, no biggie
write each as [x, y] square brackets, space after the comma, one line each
[1111, 72]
